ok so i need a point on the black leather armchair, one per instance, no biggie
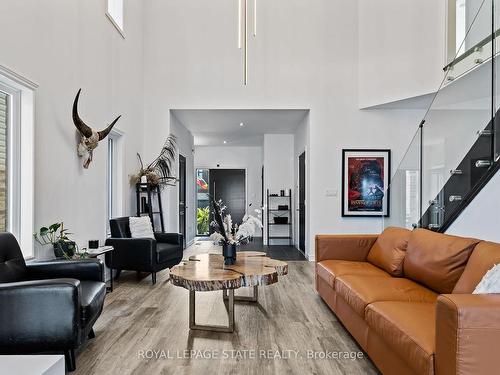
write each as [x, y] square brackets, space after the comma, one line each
[142, 254]
[47, 306]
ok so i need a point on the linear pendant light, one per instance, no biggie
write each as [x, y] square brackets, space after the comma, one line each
[243, 29]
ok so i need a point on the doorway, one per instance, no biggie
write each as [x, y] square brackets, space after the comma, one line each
[302, 202]
[182, 198]
[229, 185]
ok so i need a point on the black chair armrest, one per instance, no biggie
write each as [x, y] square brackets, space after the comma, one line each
[40, 315]
[84, 269]
[132, 251]
[171, 238]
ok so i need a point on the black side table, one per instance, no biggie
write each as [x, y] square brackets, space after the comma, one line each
[94, 253]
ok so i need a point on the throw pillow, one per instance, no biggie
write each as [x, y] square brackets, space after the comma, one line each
[140, 227]
[490, 283]
[389, 251]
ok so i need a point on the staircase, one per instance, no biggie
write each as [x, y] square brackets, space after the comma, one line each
[456, 149]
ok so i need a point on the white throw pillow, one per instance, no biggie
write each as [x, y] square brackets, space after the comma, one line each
[140, 227]
[490, 283]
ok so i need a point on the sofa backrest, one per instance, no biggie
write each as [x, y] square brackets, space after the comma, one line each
[12, 264]
[483, 258]
[388, 252]
[120, 227]
[437, 260]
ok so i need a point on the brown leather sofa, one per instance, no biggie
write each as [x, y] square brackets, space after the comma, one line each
[406, 297]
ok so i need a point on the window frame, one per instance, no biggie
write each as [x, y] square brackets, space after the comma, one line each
[114, 173]
[113, 19]
[20, 157]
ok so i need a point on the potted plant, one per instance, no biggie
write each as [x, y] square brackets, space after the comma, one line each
[229, 235]
[57, 236]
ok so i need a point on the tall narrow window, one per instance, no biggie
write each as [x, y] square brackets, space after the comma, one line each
[115, 14]
[111, 178]
[114, 173]
[3, 160]
[17, 158]
[202, 202]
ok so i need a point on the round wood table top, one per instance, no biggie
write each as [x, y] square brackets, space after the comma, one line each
[207, 272]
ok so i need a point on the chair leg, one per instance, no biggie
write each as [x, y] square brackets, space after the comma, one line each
[153, 277]
[69, 355]
[92, 334]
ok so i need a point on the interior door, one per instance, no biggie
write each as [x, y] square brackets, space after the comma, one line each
[229, 185]
[182, 197]
[302, 202]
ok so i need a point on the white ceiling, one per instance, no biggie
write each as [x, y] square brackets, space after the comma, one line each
[211, 127]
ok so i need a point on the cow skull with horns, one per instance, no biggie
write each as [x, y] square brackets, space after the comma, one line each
[90, 138]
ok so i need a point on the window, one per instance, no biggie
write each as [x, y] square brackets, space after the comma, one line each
[203, 203]
[17, 157]
[3, 161]
[115, 14]
[114, 173]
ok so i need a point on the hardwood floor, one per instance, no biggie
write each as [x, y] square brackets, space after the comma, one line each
[141, 321]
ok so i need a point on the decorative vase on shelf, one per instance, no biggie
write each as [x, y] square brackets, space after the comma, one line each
[229, 253]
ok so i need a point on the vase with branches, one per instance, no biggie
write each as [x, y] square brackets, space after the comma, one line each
[159, 172]
[229, 235]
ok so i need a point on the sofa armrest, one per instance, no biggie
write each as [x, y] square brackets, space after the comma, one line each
[131, 251]
[171, 238]
[467, 334]
[40, 315]
[354, 247]
[84, 269]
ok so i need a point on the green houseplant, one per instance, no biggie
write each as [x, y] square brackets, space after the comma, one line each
[203, 220]
[58, 237]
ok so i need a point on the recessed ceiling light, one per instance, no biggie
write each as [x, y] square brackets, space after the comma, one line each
[225, 142]
[242, 124]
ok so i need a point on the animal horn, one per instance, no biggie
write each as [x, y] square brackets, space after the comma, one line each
[104, 133]
[83, 128]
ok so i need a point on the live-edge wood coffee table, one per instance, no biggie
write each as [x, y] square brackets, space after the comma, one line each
[207, 272]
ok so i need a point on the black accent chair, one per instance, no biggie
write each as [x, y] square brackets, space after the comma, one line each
[48, 306]
[142, 254]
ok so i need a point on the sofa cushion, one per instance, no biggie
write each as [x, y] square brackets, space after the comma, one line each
[328, 270]
[388, 252]
[409, 329]
[437, 260]
[359, 291]
[91, 299]
[483, 258]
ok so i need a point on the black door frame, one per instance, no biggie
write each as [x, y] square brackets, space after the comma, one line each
[301, 199]
[183, 191]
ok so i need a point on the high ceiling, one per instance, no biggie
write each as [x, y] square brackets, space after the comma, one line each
[213, 127]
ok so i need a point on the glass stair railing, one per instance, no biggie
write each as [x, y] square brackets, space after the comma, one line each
[456, 148]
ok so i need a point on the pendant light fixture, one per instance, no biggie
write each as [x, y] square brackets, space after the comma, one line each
[243, 32]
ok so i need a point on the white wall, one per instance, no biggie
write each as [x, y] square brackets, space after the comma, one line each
[305, 56]
[279, 175]
[480, 218]
[401, 49]
[301, 144]
[62, 46]
[185, 145]
[248, 158]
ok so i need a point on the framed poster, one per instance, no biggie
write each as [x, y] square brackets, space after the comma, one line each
[365, 178]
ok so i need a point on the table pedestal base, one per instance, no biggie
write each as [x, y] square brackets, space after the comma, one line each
[213, 328]
[252, 298]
